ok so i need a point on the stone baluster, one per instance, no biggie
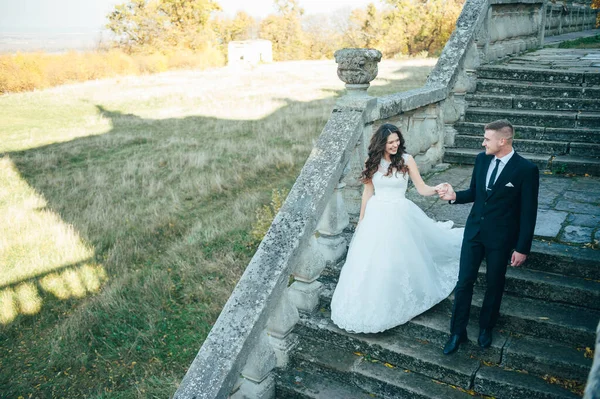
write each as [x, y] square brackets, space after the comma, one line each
[352, 193]
[329, 246]
[332, 224]
[542, 24]
[257, 380]
[279, 329]
[304, 292]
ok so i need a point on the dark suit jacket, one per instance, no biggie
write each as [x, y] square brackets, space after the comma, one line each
[506, 217]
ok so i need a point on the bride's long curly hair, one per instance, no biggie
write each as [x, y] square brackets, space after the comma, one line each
[377, 149]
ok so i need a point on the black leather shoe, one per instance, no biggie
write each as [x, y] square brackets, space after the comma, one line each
[454, 342]
[485, 338]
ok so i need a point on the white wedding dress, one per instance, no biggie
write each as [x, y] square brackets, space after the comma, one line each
[400, 262]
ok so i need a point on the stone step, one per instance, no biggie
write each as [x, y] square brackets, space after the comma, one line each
[578, 165]
[302, 384]
[523, 74]
[560, 119]
[566, 324]
[466, 156]
[564, 164]
[584, 150]
[391, 365]
[509, 384]
[580, 135]
[520, 145]
[366, 374]
[536, 90]
[432, 327]
[543, 357]
[517, 352]
[405, 353]
[549, 287]
[534, 103]
[564, 259]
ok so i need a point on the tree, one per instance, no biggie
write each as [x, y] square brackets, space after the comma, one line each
[152, 24]
[425, 25]
[321, 39]
[285, 31]
[241, 27]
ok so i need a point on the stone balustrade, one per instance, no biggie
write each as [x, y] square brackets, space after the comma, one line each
[569, 16]
[254, 333]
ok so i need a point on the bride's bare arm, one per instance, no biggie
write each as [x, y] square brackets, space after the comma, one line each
[368, 191]
[415, 176]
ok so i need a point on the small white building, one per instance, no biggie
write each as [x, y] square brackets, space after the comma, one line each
[249, 52]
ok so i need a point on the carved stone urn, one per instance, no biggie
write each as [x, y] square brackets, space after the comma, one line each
[357, 67]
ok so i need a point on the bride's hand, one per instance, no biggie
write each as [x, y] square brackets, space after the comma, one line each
[441, 188]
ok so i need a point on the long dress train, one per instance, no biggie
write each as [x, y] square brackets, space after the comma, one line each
[400, 262]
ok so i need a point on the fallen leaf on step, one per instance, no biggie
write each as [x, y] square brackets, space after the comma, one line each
[589, 353]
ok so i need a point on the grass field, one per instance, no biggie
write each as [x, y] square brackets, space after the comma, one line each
[126, 207]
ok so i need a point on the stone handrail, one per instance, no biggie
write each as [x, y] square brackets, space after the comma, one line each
[217, 367]
[253, 332]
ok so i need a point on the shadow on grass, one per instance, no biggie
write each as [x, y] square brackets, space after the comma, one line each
[166, 206]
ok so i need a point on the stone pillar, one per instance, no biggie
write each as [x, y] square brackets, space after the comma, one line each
[357, 67]
[257, 380]
[425, 136]
[304, 292]
[279, 329]
[482, 38]
[542, 24]
[333, 222]
[353, 191]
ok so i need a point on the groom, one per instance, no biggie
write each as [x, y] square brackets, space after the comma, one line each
[504, 189]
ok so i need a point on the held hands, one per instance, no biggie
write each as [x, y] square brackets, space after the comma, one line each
[445, 191]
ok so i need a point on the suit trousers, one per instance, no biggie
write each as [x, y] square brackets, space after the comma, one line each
[472, 253]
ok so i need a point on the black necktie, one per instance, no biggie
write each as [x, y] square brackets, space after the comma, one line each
[493, 176]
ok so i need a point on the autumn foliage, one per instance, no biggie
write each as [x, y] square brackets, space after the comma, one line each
[157, 35]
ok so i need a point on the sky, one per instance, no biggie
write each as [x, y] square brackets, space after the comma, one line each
[86, 16]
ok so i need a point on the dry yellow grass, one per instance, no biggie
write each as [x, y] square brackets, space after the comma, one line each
[128, 206]
[30, 71]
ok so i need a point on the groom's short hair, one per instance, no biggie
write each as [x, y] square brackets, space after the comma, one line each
[502, 126]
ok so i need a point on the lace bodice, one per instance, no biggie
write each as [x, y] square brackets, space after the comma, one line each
[392, 187]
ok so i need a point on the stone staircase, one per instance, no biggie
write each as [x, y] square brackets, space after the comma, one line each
[552, 96]
[551, 307]
[548, 319]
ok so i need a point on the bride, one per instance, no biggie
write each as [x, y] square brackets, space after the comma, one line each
[400, 262]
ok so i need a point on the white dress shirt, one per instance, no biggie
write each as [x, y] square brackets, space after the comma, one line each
[503, 161]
